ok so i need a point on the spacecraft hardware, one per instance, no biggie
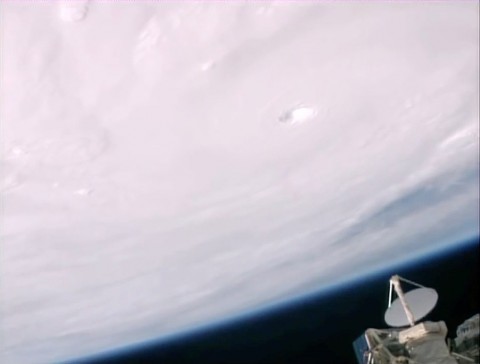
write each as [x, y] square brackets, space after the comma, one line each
[408, 340]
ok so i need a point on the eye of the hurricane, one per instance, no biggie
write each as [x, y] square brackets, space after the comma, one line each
[298, 115]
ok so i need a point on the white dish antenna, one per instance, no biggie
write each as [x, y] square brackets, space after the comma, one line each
[411, 306]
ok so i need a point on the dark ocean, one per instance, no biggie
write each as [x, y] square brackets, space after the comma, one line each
[321, 329]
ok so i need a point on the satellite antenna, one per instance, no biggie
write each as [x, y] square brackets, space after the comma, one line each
[411, 306]
[422, 342]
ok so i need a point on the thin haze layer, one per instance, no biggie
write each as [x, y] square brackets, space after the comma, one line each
[167, 164]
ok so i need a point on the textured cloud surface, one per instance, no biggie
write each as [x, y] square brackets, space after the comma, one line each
[169, 165]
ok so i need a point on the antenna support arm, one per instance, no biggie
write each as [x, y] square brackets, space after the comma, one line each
[395, 281]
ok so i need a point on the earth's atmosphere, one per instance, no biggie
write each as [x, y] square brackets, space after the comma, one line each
[320, 327]
[169, 165]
